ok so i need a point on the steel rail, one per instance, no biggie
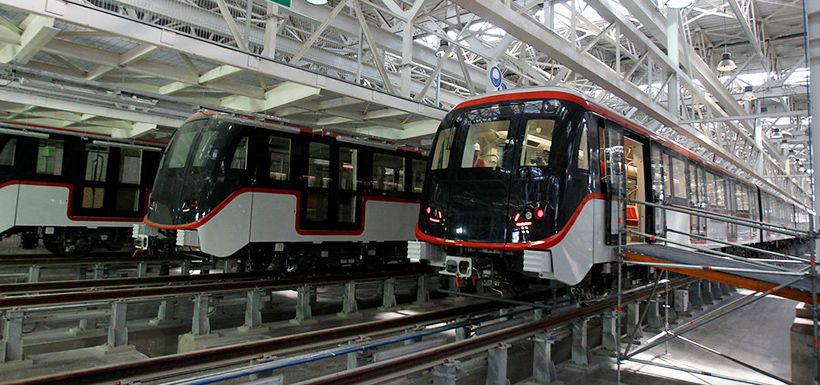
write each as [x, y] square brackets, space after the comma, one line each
[51, 260]
[241, 353]
[180, 290]
[50, 286]
[397, 367]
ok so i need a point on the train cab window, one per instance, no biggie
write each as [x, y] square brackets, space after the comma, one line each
[536, 149]
[130, 165]
[484, 146]
[679, 179]
[388, 172]
[7, 153]
[50, 157]
[128, 199]
[441, 152]
[348, 169]
[179, 149]
[583, 150]
[279, 149]
[319, 165]
[239, 161]
[418, 175]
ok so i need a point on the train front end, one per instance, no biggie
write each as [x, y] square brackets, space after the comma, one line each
[509, 190]
[203, 165]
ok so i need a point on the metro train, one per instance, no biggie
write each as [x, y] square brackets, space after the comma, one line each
[521, 184]
[281, 196]
[74, 193]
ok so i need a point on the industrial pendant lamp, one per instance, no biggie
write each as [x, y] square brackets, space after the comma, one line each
[678, 4]
[748, 95]
[726, 63]
[317, 2]
[442, 47]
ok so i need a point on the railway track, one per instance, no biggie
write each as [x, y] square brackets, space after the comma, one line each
[134, 288]
[177, 364]
[106, 259]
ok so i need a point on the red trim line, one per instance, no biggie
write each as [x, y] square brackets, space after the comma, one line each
[70, 202]
[531, 95]
[543, 244]
[298, 194]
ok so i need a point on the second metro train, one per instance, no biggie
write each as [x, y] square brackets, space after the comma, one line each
[282, 196]
[519, 183]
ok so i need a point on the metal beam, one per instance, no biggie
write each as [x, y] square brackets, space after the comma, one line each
[782, 114]
[37, 31]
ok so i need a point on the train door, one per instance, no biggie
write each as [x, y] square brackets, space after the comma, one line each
[611, 150]
[636, 188]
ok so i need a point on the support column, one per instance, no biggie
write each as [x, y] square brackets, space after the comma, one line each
[463, 332]
[165, 312]
[446, 373]
[683, 306]
[725, 289]
[717, 292]
[696, 296]
[253, 309]
[99, 271]
[201, 324]
[142, 269]
[349, 306]
[34, 273]
[633, 319]
[422, 292]
[497, 365]
[389, 294]
[303, 311]
[12, 342]
[653, 315]
[118, 329]
[706, 292]
[581, 353]
[185, 267]
[609, 338]
[85, 324]
[543, 368]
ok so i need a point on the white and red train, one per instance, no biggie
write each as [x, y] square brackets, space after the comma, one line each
[282, 195]
[74, 193]
[520, 183]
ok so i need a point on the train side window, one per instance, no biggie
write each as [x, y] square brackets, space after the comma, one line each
[96, 164]
[128, 199]
[348, 169]
[130, 165]
[537, 143]
[93, 197]
[741, 197]
[319, 165]
[279, 149]
[667, 178]
[50, 157]
[7, 153]
[679, 179]
[720, 192]
[418, 175]
[239, 161]
[441, 152]
[657, 173]
[583, 150]
[388, 172]
[710, 189]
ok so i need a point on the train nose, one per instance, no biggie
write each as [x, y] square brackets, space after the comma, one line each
[478, 211]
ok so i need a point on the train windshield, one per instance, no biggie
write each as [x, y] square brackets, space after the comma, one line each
[197, 171]
[491, 162]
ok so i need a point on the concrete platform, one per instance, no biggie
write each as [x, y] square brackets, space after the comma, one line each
[41, 364]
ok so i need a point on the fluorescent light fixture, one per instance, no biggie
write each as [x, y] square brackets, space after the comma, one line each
[677, 4]
[30, 134]
[726, 63]
[317, 2]
[126, 145]
[748, 95]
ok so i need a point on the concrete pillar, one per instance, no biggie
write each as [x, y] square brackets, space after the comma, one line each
[12, 342]
[389, 293]
[185, 267]
[99, 271]
[142, 269]
[34, 273]
[497, 365]
[725, 289]
[717, 292]
[696, 296]
[85, 324]
[201, 324]
[118, 329]
[227, 265]
[706, 292]
[253, 309]
[581, 352]
[653, 315]
[446, 373]
[463, 332]
[303, 311]
[543, 368]
[165, 312]
[422, 292]
[609, 337]
[349, 306]
[634, 329]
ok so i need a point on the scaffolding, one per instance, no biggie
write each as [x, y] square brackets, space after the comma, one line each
[789, 270]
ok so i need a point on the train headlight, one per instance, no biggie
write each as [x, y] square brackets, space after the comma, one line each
[528, 215]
